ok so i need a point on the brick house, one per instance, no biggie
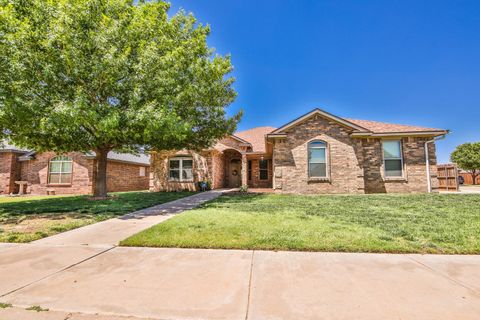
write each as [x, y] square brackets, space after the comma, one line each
[70, 173]
[315, 153]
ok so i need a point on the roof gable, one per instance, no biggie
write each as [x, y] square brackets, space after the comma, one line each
[322, 113]
[363, 128]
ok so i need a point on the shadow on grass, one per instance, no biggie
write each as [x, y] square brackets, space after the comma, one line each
[121, 204]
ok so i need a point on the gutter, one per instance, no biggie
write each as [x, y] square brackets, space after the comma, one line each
[397, 134]
[427, 160]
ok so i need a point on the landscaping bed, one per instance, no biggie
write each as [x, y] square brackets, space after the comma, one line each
[424, 223]
[24, 219]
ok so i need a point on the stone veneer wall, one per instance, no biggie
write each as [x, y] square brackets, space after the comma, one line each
[202, 170]
[126, 177]
[355, 165]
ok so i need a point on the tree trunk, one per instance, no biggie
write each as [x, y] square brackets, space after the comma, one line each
[474, 177]
[100, 188]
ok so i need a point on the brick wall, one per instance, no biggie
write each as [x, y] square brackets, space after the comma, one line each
[414, 179]
[36, 173]
[355, 165]
[120, 176]
[9, 172]
[290, 157]
[218, 168]
[255, 182]
[126, 177]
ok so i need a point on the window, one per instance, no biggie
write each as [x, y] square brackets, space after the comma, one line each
[263, 169]
[180, 169]
[317, 159]
[60, 170]
[141, 173]
[249, 169]
[392, 157]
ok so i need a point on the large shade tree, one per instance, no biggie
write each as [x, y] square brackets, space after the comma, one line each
[103, 75]
[467, 157]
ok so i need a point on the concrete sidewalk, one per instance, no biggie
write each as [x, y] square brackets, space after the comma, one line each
[231, 284]
[112, 231]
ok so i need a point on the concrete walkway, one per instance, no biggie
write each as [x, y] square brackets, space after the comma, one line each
[112, 231]
[83, 275]
[230, 284]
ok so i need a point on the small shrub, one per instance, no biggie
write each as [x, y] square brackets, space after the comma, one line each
[244, 188]
[5, 305]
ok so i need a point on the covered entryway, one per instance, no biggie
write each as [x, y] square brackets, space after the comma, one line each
[235, 171]
[234, 168]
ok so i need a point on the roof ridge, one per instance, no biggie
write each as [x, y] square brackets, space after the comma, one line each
[256, 128]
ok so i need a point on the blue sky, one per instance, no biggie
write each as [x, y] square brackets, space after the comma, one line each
[407, 62]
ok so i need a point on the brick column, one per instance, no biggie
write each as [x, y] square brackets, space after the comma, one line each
[244, 169]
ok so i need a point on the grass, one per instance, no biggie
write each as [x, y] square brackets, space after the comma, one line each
[5, 305]
[366, 223]
[36, 308]
[24, 219]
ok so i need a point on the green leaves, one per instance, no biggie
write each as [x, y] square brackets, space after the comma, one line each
[79, 75]
[467, 156]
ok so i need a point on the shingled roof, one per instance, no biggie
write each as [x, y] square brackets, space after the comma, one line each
[256, 136]
[5, 146]
[141, 159]
[363, 128]
[383, 127]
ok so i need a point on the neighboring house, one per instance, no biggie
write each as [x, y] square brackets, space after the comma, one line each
[315, 153]
[70, 173]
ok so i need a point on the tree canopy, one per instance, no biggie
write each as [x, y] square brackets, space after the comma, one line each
[467, 157]
[101, 75]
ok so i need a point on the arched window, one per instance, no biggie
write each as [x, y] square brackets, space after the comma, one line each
[60, 170]
[317, 159]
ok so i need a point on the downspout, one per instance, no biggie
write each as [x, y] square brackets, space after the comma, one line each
[427, 161]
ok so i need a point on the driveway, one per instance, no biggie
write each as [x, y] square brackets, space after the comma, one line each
[230, 284]
[464, 189]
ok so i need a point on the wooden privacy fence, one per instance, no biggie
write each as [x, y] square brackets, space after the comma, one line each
[447, 175]
[468, 178]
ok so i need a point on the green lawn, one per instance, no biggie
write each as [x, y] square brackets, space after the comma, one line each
[365, 223]
[24, 219]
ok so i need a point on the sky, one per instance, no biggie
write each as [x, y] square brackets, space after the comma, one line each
[406, 62]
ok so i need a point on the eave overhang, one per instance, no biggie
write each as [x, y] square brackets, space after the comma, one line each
[399, 134]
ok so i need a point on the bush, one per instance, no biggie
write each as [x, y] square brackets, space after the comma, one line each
[244, 189]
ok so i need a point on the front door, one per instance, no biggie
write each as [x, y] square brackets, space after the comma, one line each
[235, 173]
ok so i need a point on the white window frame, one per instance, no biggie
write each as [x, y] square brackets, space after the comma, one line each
[180, 169]
[401, 160]
[327, 165]
[60, 159]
